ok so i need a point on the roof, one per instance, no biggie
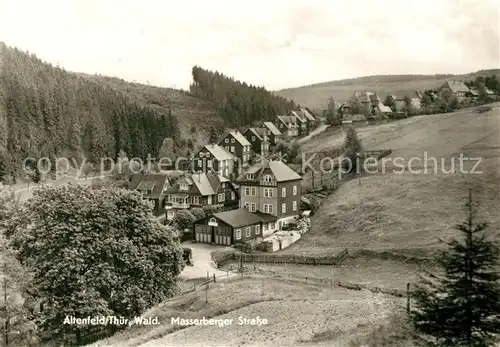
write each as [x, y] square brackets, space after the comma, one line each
[308, 113]
[239, 218]
[206, 183]
[299, 115]
[150, 181]
[266, 218]
[254, 132]
[280, 170]
[272, 128]
[239, 137]
[287, 119]
[457, 86]
[219, 152]
[384, 109]
[262, 132]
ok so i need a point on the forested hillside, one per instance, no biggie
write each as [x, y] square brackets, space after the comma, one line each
[46, 111]
[238, 103]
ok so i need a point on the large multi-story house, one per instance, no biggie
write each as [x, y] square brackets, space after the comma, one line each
[288, 125]
[199, 190]
[235, 143]
[301, 122]
[367, 101]
[273, 188]
[306, 120]
[259, 139]
[213, 158]
[152, 186]
[273, 133]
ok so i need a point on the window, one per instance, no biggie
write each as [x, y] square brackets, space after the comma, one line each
[209, 163]
[247, 191]
[247, 206]
[253, 207]
[202, 154]
[222, 197]
[249, 176]
[238, 234]
[268, 192]
[294, 190]
[253, 138]
[264, 227]
[268, 208]
[183, 186]
[232, 149]
[233, 196]
[254, 191]
[257, 230]
[200, 163]
[232, 140]
[223, 184]
[226, 140]
[283, 208]
[196, 200]
[226, 148]
[283, 192]
[248, 232]
[294, 206]
[268, 178]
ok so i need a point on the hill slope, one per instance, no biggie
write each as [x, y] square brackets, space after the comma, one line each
[46, 111]
[317, 95]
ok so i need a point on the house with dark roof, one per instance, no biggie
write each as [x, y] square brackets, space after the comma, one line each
[454, 88]
[199, 190]
[259, 139]
[369, 101]
[235, 143]
[273, 188]
[288, 125]
[213, 158]
[301, 122]
[152, 186]
[232, 227]
[306, 119]
[273, 133]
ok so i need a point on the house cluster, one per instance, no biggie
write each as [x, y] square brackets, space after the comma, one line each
[255, 196]
[370, 103]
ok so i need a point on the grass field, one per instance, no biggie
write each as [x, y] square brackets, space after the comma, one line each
[392, 210]
[316, 96]
[295, 312]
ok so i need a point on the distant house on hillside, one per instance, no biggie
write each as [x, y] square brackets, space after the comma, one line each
[288, 125]
[213, 158]
[259, 139]
[301, 122]
[369, 101]
[454, 88]
[274, 133]
[235, 143]
[152, 187]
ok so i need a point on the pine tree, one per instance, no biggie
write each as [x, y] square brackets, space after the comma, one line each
[353, 150]
[462, 306]
[212, 135]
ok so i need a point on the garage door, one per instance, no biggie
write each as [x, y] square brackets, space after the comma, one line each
[201, 234]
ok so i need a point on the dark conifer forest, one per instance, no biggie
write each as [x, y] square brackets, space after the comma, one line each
[238, 103]
[46, 111]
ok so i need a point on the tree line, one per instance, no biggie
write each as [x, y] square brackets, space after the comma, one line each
[238, 102]
[46, 111]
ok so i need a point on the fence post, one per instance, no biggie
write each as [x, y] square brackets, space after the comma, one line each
[214, 278]
[208, 278]
[408, 297]
[206, 293]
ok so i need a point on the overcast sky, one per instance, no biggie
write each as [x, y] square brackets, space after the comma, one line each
[274, 43]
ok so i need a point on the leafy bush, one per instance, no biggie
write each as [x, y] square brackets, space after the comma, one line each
[184, 219]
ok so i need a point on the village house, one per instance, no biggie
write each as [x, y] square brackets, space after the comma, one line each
[273, 133]
[306, 120]
[400, 103]
[199, 190]
[369, 101]
[152, 186]
[454, 88]
[288, 125]
[232, 227]
[273, 188]
[235, 143]
[213, 158]
[259, 139]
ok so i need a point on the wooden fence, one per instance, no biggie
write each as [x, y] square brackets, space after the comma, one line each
[222, 258]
